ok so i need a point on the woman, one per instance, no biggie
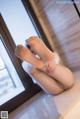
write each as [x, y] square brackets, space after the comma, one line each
[44, 65]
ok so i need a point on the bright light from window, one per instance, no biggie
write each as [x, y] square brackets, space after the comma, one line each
[17, 20]
[10, 84]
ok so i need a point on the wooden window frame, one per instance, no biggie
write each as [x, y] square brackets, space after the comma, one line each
[30, 88]
[36, 23]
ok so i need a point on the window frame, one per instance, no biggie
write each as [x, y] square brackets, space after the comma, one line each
[30, 88]
[35, 21]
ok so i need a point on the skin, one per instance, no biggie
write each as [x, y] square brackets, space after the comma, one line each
[53, 77]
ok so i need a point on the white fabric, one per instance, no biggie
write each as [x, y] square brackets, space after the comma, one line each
[27, 68]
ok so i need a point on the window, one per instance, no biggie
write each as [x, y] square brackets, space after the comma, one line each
[35, 20]
[15, 85]
[17, 21]
[10, 84]
[16, 26]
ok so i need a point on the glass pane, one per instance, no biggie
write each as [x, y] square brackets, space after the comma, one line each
[17, 20]
[10, 83]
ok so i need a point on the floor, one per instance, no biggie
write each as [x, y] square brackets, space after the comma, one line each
[40, 106]
[43, 106]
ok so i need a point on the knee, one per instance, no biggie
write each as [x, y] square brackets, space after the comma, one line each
[55, 92]
[70, 82]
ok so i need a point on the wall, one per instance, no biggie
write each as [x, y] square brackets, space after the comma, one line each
[62, 26]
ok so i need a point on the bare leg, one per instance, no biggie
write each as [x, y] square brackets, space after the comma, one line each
[56, 71]
[26, 55]
[61, 73]
[47, 83]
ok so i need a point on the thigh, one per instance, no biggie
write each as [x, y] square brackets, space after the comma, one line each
[47, 83]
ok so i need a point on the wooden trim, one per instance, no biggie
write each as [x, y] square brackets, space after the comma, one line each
[30, 88]
[20, 99]
[36, 22]
[76, 8]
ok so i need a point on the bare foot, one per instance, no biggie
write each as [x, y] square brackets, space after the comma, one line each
[26, 55]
